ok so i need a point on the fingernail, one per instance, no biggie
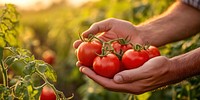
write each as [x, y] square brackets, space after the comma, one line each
[118, 79]
[80, 69]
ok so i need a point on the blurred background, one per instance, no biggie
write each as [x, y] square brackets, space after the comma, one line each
[49, 27]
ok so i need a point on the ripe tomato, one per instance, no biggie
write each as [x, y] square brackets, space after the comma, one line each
[49, 57]
[133, 59]
[153, 51]
[87, 51]
[47, 94]
[107, 66]
[120, 48]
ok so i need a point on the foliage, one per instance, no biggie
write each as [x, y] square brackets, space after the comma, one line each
[8, 26]
[21, 86]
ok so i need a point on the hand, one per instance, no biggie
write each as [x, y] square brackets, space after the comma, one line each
[155, 73]
[111, 29]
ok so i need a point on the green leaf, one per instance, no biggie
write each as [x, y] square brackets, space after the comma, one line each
[47, 70]
[42, 68]
[2, 42]
[5, 93]
[13, 81]
[3, 28]
[50, 73]
[11, 39]
[29, 69]
[20, 90]
[9, 60]
[35, 95]
[144, 96]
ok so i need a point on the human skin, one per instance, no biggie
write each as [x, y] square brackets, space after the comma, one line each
[180, 21]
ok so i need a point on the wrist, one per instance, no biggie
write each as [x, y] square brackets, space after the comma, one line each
[175, 69]
[186, 65]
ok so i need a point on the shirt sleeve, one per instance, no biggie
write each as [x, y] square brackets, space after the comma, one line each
[194, 3]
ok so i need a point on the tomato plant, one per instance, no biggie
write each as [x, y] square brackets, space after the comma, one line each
[21, 86]
[47, 94]
[87, 51]
[134, 58]
[107, 65]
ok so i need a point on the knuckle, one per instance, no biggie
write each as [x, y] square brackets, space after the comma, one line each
[94, 24]
[111, 19]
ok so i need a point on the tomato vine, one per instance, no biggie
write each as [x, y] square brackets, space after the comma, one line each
[21, 86]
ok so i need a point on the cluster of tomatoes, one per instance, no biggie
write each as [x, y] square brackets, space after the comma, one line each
[109, 58]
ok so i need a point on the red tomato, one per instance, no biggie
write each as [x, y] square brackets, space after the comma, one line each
[87, 51]
[107, 66]
[120, 48]
[153, 51]
[134, 59]
[49, 57]
[47, 94]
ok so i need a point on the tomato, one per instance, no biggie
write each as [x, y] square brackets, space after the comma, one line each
[134, 59]
[153, 51]
[47, 94]
[87, 51]
[120, 48]
[107, 66]
[49, 57]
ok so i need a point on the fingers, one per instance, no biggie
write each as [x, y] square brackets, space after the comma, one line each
[132, 75]
[77, 43]
[98, 27]
[106, 36]
[99, 79]
[78, 63]
[105, 82]
[87, 71]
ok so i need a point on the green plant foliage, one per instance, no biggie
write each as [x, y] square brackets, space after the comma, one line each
[21, 86]
[8, 26]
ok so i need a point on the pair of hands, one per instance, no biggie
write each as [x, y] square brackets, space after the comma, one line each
[155, 73]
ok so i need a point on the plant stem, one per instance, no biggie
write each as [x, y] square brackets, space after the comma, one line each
[49, 84]
[5, 77]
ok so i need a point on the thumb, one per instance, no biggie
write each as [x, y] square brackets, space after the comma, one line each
[127, 76]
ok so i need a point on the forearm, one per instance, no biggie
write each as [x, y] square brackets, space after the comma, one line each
[186, 65]
[178, 22]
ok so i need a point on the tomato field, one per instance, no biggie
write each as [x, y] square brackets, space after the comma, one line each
[37, 54]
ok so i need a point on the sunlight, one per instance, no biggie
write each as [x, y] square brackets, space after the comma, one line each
[42, 4]
[78, 3]
[31, 4]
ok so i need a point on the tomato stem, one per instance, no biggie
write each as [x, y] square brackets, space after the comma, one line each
[138, 47]
[90, 37]
[58, 93]
[104, 49]
[146, 46]
[81, 37]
